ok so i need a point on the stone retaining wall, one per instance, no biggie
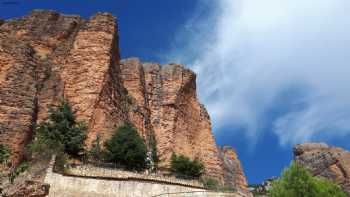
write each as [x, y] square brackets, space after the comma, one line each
[65, 186]
[78, 186]
[117, 174]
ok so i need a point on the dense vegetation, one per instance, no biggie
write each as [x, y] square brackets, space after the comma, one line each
[210, 183]
[296, 181]
[96, 153]
[127, 149]
[5, 154]
[60, 133]
[184, 167]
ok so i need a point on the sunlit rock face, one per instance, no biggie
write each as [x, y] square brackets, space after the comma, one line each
[330, 162]
[47, 56]
[181, 124]
[233, 171]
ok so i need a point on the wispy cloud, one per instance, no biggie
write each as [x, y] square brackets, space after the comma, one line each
[272, 62]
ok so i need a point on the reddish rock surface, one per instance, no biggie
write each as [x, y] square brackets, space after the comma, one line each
[233, 171]
[330, 162]
[181, 124]
[46, 56]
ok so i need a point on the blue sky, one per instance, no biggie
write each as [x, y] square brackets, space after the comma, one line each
[272, 73]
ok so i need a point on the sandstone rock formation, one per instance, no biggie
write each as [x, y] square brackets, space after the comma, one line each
[181, 124]
[330, 162]
[233, 172]
[46, 56]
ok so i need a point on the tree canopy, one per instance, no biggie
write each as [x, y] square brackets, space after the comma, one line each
[127, 149]
[184, 167]
[296, 181]
[60, 131]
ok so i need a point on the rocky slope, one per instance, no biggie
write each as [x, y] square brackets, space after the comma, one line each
[330, 162]
[46, 56]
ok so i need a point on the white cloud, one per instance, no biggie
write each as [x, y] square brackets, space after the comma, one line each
[249, 53]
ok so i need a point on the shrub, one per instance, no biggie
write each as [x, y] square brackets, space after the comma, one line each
[96, 152]
[183, 167]
[126, 148]
[210, 183]
[61, 132]
[60, 162]
[296, 181]
[5, 154]
[17, 171]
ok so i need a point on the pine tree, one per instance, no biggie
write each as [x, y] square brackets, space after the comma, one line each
[61, 132]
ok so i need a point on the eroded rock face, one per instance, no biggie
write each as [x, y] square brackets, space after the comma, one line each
[233, 172]
[330, 162]
[46, 56]
[180, 123]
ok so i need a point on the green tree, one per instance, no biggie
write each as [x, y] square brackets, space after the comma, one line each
[296, 181]
[5, 154]
[184, 167]
[61, 132]
[127, 148]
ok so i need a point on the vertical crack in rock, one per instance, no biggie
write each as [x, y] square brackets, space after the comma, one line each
[181, 124]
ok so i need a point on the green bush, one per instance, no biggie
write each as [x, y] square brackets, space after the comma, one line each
[210, 183]
[96, 153]
[61, 162]
[183, 167]
[127, 149]
[17, 171]
[61, 132]
[5, 154]
[296, 181]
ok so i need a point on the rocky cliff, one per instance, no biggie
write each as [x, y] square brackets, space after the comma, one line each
[46, 56]
[322, 160]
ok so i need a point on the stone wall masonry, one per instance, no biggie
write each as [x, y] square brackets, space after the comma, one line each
[88, 186]
[63, 186]
[111, 173]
